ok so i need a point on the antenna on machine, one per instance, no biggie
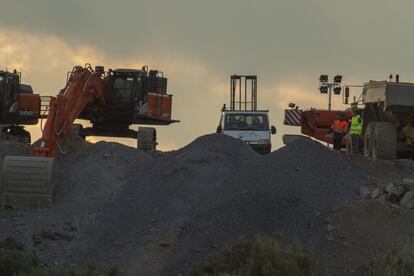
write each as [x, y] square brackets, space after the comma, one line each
[7, 57]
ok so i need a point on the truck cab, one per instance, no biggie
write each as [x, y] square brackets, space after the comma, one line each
[252, 127]
[242, 120]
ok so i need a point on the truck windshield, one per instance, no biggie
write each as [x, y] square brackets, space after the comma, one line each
[246, 122]
[124, 86]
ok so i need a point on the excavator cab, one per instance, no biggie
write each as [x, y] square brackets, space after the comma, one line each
[127, 92]
[133, 96]
[139, 94]
[18, 106]
[9, 87]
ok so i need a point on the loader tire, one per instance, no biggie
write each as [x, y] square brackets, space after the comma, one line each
[146, 139]
[368, 138]
[384, 145]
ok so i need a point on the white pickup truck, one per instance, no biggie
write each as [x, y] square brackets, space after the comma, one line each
[251, 127]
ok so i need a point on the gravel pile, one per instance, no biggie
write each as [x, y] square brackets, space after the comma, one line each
[115, 204]
[13, 148]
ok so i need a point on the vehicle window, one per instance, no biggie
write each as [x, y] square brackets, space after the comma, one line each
[123, 83]
[124, 87]
[246, 122]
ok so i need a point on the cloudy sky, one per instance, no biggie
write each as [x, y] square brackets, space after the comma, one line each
[199, 44]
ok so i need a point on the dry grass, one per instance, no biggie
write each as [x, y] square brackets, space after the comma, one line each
[398, 262]
[15, 261]
[263, 256]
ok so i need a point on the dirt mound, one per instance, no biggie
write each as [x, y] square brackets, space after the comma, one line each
[13, 148]
[286, 191]
[97, 172]
[160, 215]
[361, 231]
[90, 182]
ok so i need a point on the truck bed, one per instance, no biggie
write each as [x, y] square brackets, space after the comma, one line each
[397, 97]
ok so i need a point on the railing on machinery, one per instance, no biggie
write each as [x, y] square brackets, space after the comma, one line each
[239, 92]
[44, 106]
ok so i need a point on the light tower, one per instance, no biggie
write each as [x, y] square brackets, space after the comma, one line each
[326, 87]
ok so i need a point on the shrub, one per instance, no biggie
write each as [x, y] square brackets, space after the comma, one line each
[398, 262]
[263, 256]
[13, 261]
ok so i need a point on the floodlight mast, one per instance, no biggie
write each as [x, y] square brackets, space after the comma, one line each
[326, 87]
[330, 98]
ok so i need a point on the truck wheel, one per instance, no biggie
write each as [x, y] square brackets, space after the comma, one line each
[384, 142]
[147, 139]
[369, 133]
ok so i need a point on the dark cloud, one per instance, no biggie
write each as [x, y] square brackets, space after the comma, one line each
[274, 38]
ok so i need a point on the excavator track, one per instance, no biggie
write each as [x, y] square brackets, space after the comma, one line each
[27, 182]
[147, 139]
[15, 133]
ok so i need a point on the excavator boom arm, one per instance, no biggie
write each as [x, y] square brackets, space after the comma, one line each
[29, 180]
[84, 85]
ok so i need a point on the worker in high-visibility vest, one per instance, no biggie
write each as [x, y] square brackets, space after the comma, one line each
[338, 129]
[355, 130]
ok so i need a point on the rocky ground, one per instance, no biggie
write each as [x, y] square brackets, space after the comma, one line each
[160, 214]
[379, 220]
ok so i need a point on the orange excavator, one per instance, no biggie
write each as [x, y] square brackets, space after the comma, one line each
[112, 101]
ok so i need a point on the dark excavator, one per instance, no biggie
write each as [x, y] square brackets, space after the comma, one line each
[19, 106]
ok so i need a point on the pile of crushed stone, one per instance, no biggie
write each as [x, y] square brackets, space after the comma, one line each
[13, 148]
[117, 205]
